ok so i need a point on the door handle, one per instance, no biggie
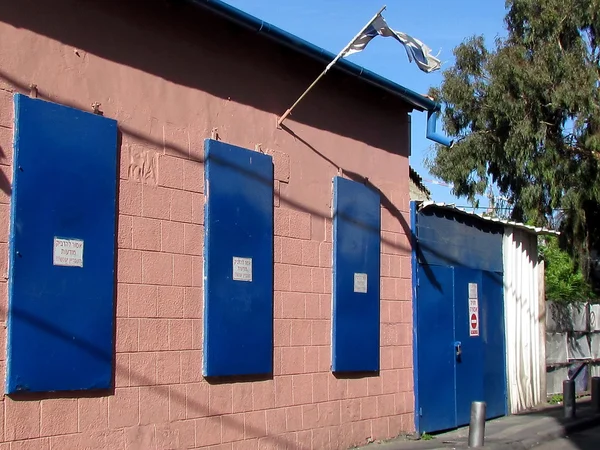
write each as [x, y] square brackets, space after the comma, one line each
[458, 348]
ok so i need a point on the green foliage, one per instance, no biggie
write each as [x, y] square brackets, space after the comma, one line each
[556, 399]
[427, 437]
[564, 280]
[525, 116]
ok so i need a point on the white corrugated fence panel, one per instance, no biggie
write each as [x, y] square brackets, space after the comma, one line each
[554, 379]
[578, 347]
[556, 348]
[551, 319]
[522, 314]
[595, 317]
[559, 317]
[579, 316]
[595, 345]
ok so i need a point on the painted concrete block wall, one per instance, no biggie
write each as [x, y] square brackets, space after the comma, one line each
[155, 83]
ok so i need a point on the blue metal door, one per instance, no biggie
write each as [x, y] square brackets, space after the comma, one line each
[459, 348]
[492, 335]
[467, 331]
[435, 379]
[459, 359]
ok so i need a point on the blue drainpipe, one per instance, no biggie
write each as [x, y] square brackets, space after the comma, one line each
[432, 116]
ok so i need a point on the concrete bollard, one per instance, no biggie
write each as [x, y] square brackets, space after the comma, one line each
[596, 393]
[477, 425]
[569, 404]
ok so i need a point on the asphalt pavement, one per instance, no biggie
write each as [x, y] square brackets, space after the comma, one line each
[544, 428]
[584, 440]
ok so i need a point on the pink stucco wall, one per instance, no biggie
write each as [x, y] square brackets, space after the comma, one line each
[171, 76]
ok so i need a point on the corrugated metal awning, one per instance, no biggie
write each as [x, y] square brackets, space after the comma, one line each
[456, 209]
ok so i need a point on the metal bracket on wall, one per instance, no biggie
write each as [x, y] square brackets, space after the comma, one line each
[96, 108]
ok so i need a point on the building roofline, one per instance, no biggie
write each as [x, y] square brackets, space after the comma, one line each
[453, 208]
[418, 181]
[282, 37]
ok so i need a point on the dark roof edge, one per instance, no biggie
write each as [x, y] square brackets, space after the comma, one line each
[416, 178]
[418, 101]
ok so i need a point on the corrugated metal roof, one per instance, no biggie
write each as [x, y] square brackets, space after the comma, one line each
[456, 209]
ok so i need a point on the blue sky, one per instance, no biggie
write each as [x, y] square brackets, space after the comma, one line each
[440, 24]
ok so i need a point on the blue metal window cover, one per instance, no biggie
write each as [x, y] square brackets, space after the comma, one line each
[60, 316]
[238, 303]
[356, 262]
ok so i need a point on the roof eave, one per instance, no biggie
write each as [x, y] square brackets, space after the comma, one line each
[450, 207]
[417, 101]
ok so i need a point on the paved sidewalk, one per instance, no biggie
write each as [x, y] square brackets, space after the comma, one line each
[584, 440]
[521, 431]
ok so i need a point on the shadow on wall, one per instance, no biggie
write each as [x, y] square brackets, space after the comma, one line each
[198, 408]
[5, 185]
[193, 407]
[448, 249]
[184, 44]
[386, 203]
[5, 154]
[422, 248]
[188, 46]
[142, 35]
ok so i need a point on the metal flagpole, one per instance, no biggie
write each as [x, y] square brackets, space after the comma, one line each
[340, 54]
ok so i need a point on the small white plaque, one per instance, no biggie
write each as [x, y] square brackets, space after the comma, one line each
[68, 252]
[360, 283]
[472, 290]
[242, 269]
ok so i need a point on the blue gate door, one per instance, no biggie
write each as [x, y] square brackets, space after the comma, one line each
[467, 331]
[435, 381]
[458, 359]
[492, 334]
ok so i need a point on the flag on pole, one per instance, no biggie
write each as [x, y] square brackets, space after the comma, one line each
[415, 49]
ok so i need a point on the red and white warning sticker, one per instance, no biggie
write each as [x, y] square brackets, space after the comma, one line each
[473, 310]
